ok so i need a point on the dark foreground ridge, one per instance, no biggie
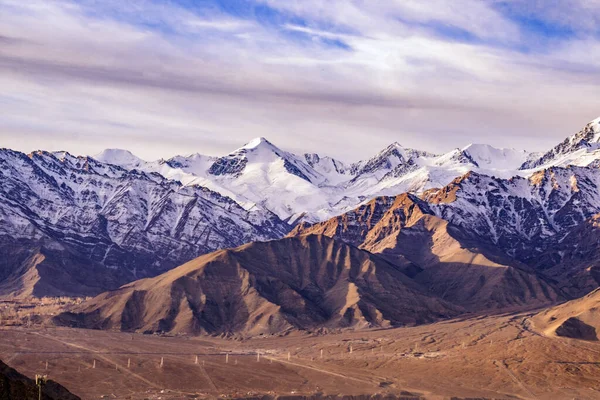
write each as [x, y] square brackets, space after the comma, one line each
[16, 386]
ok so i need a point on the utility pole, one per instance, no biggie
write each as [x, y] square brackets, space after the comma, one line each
[40, 381]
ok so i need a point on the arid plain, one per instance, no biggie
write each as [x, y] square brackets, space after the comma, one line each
[499, 357]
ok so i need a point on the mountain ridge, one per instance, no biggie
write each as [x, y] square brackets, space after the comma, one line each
[122, 223]
[311, 187]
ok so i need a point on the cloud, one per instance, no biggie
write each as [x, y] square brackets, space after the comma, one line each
[167, 77]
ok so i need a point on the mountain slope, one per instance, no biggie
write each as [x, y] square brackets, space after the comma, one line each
[573, 262]
[486, 156]
[122, 158]
[270, 287]
[404, 230]
[39, 269]
[576, 319]
[130, 224]
[521, 216]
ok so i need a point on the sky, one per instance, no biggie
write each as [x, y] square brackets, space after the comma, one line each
[344, 78]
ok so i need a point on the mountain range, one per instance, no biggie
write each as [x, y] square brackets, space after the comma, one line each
[311, 187]
[472, 230]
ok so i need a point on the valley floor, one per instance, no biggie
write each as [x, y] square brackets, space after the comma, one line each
[483, 357]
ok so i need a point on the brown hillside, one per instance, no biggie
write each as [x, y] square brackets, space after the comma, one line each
[267, 287]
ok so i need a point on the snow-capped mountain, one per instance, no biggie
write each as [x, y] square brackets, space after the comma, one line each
[547, 221]
[486, 156]
[137, 223]
[311, 187]
[122, 158]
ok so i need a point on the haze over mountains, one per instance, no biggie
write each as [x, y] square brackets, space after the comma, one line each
[475, 229]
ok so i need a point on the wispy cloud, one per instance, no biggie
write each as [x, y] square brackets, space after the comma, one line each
[166, 77]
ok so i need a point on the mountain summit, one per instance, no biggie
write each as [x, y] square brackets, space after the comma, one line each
[582, 148]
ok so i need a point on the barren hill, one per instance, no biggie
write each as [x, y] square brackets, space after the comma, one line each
[267, 287]
[577, 319]
[437, 255]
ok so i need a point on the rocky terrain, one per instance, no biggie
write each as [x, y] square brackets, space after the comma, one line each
[511, 227]
[522, 216]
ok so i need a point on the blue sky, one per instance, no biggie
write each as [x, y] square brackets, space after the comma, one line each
[165, 77]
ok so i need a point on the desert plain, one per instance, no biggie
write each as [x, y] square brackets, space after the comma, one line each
[485, 357]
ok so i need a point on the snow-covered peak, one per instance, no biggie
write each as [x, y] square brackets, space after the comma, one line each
[388, 159]
[258, 143]
[120, 157]
[406, 152]
[488, 157]
[61, 155]
[582, 148]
